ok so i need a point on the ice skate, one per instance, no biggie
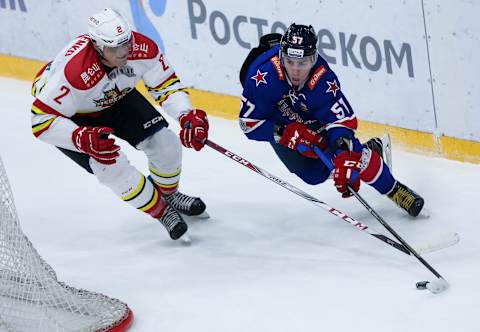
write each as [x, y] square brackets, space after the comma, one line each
[406, 199]
[174, 223]
[383, 147]
[187, 205]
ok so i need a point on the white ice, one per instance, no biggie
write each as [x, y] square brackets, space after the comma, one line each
[267, 260]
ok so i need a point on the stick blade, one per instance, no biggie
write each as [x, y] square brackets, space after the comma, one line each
[445, 241]
[438, 286]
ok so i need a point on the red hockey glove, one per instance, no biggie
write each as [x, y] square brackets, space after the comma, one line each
[94, 141]
[194, 129]
[347, 171]
[297, 133]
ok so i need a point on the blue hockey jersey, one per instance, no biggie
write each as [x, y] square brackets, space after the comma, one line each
[268, 100]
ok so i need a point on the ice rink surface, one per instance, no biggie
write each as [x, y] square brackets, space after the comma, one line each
[266, 260]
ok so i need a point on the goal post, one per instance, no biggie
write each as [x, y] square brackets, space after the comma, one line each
[31, 297]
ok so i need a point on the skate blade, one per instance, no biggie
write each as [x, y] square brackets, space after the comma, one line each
[203, 215]
[185, 239]
[425, 213]
[387, 150]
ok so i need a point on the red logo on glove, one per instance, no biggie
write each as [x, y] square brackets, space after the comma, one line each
[347, 172]
[296, 134]
[194, 129]
[94, 141]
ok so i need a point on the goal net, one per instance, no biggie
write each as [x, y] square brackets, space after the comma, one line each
[32, 298]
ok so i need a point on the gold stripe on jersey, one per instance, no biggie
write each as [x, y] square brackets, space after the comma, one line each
[165, 84]
[38, 129]
[160, 99]
[152, 201]
[36, 110]
[165, 175]
[136, 192]
[34, 87]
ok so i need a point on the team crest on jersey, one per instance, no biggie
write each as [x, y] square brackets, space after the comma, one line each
[333, 87]
[259, 77]
[286, 106]
[303, 107]
[111, 96]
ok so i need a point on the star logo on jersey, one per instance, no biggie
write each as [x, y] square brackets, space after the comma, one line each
[259, 77]
[333, 87]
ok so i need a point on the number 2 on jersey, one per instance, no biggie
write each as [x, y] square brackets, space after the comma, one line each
[65, 91]
[341, 109]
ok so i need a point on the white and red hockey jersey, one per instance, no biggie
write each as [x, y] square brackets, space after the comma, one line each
[76, 82]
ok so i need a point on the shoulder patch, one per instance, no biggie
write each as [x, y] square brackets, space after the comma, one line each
[316, 77]
[84, 70]
[143, 47]
[277, 64]
[77, 45]
[259, 77]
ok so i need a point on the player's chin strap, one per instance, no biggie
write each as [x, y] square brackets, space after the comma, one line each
[374, 213]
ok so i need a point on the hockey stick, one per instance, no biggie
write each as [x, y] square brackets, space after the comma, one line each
[438, 285]
[306, 196]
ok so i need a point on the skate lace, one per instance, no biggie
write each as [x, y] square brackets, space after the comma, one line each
[180, 201]
[403, 198]
[169, 219]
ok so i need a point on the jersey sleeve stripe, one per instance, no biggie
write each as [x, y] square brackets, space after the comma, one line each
[160, 99]
[172, 79]
[45, 108]
[350, 123]
[42, 70]
[37, 111]
[38, 129]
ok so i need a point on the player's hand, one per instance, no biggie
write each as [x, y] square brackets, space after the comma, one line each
[347, 171]
[296, 134]
[194, 129]
[94, 141]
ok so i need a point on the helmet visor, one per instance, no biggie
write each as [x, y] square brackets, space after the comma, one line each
[123, 49]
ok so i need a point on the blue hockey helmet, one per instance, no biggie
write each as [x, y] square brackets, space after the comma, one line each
[299, 41]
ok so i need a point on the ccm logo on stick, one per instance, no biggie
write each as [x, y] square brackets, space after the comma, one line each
[236, 158]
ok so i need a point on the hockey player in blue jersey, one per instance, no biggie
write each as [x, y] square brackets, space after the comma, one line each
[293, 100]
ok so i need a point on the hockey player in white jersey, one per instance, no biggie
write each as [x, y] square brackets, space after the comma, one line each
[86, 97]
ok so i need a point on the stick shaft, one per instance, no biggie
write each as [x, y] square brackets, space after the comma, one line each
[306, 196]
[374, 213]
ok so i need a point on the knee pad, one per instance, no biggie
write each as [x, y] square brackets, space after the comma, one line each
[118, 176]
[130, 185]
[163, 150]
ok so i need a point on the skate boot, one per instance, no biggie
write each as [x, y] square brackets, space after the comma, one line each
[406, 199]
[173, 222]
[187, 205]
[383, 147]
[184, 204]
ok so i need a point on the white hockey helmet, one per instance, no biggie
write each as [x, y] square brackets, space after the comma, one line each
[108, 29]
